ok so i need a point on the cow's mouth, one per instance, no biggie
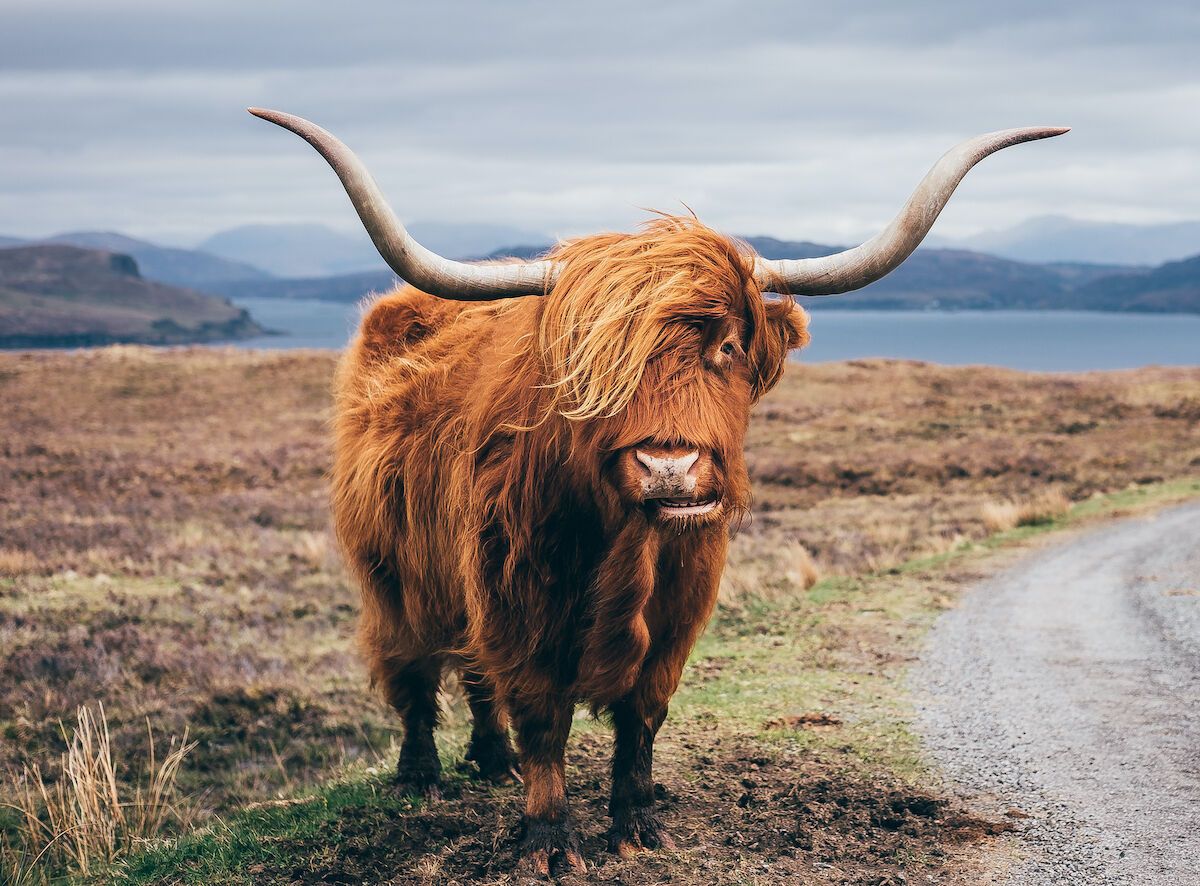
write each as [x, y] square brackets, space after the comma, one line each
[685, 507]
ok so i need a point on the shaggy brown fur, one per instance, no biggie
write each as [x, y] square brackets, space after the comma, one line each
[484, 497]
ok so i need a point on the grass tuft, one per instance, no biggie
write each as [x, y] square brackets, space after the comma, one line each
[1040, 509]
[14, 562]
[84, 818]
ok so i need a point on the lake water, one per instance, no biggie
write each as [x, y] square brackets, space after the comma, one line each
[1032, 340]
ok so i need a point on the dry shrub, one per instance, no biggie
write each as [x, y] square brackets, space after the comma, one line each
[1000, 516]
[313, 549]
[1045, 507]
[763, 568]
[14, 562]
[84, 819]
[799, 566]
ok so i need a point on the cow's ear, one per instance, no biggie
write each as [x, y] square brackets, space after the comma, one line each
[791, 321]
[785, 329]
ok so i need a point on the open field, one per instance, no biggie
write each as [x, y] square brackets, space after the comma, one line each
[164, 551]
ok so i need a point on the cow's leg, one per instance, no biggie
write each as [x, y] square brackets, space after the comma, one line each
[489, 749]
[636, 720]
[542, 725]
[412, 688]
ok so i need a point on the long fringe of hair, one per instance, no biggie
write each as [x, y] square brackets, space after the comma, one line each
[613, 307]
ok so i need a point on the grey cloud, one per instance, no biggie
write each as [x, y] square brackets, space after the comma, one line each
[793, 119]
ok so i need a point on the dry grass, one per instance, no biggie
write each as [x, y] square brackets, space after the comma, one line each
[166, 549]
[87, 816]
[763, 570]
[14, 563]
[870, 463]
[1045, 507]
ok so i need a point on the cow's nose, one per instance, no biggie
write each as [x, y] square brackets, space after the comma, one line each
[668, 476]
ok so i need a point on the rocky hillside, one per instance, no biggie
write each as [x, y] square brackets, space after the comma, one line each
[65, 296]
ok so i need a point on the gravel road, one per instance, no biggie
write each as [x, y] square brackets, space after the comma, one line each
[1068, 688]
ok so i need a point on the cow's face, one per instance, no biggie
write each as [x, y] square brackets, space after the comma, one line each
[660, 350]
[677, 449]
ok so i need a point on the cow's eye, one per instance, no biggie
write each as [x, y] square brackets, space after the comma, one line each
[729, 348]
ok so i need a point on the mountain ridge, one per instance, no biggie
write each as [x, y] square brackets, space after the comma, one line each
[932, 278]
[1057, 238]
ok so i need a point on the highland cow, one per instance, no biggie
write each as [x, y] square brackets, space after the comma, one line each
[537, 492]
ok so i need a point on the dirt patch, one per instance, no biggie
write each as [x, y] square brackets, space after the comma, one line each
[752, 814]
[811, 720]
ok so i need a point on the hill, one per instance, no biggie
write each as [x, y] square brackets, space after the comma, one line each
[65, 296]
[1174, 286]
[175, 267]
[959, 279]
[945, 278]
[1056, 238]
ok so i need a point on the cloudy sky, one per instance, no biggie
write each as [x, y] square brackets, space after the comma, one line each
[789, 118]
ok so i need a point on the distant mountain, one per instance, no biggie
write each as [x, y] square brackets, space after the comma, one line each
[307, 250]
[344, 287]
[965, 279]
[1056, 238]
[769, 247]
[952, 279]
[177, 267]
[295, 250]
[1174, 286]
[64, 296]
[523, 252]
[468, 239]
[959, 279]
[948, 279]
[931, 278]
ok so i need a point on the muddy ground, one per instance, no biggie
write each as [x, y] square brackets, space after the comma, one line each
[738, 813]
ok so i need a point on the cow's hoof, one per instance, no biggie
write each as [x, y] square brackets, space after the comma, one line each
[550, 849]
[500, 775]
[419, 783]
[636, 830]
[427, 791]
[494, 761]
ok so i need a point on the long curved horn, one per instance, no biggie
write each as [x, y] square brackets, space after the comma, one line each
[425, 270]
[883, 253]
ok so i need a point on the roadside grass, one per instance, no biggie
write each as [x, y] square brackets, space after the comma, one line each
[776, 671]
[1044, 507]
